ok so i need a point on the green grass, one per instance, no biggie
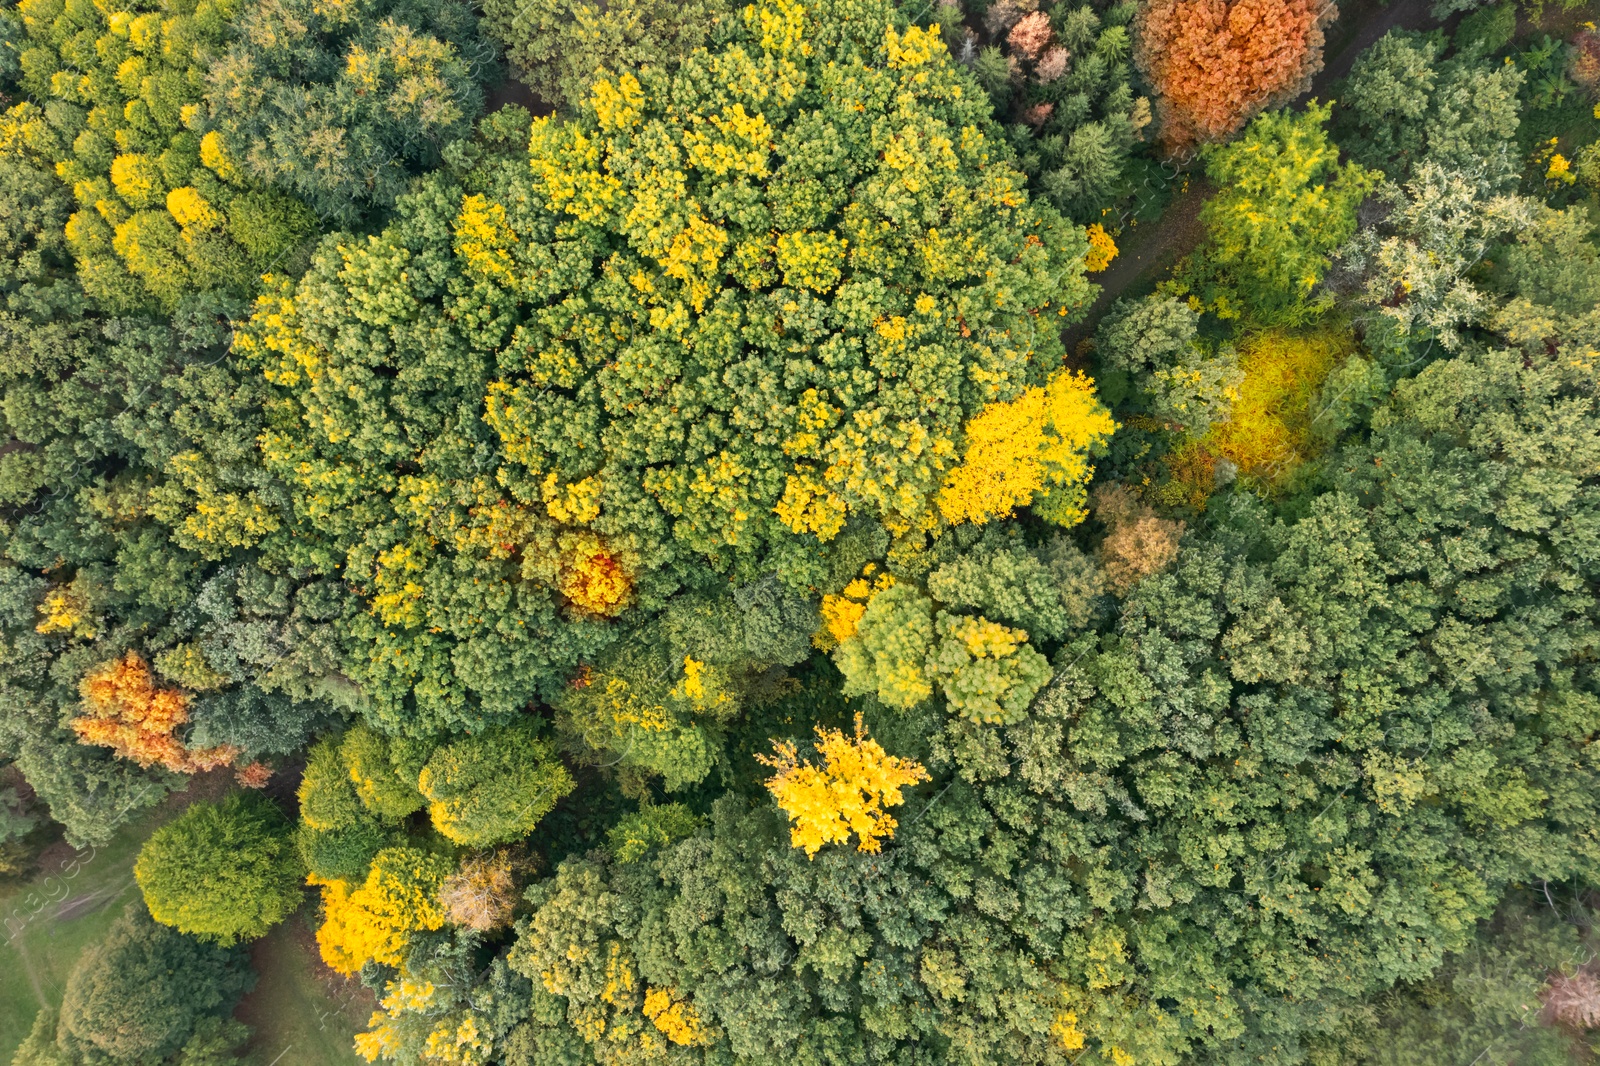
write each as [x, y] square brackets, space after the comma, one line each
[290, 1010]
[298, 1017]
[95, 885]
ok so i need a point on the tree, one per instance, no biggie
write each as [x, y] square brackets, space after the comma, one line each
[1154, 340]
[159, 216]
[1215, 64]
[384, 771]
[1138, 542]
[481, 894]
[1035, 445]
[221, 872]
[493, 788]
[1284, 205]
[1064, 82]
[124, 711]
[559, 47]
[340, 107]
[142, 991]
[373, 921]
[1415, 263]
[847, 794]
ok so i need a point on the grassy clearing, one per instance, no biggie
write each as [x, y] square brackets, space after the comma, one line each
[47, 921]
[50, 918]
[302, 1014]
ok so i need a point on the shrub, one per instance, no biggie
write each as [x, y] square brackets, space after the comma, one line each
[223, 872]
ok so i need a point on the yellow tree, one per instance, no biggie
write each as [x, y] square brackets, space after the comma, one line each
[847, 794]
[1036, 445]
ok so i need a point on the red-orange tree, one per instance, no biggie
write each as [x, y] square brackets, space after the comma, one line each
[1214, 64]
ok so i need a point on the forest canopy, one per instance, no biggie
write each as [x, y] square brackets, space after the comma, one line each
[816, 531]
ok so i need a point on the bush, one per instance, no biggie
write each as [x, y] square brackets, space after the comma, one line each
[223, 872]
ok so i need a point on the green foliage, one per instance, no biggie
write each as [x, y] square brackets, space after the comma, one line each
[642, 435]
[1004, 579]
[1284, 204]
[494, 787]
[328, 799]
[1154, 340]
[650, 828]
[885, 657]
[340, 854]
[1404, 103]
[383, 771]
[557, 47]
[141, 993]
[340, 105]
[1487, 30]
[115, 91]
[222, 872]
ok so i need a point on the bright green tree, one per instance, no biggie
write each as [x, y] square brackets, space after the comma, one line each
[223, 872]
[1284, 204]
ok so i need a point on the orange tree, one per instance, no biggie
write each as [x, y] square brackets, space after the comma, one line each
[686, 337]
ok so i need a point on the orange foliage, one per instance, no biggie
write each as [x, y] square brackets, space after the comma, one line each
[1214, 64]
[1138, 542]
[124, 711]
[591, 578]
[256, 775]
[848, 793]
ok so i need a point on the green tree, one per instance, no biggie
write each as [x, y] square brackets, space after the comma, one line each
[1155, 342]
[144, 990]
[1284, 205]
[493, 788]
[222, 872]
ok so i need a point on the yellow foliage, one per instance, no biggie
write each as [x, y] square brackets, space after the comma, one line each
[591, 578]
[578, 503]
[1272, 417]
[65, 610]
[618, 106]
[1035, 444]
[675, 1017]
[137, 179]
[841, 612]
[191, 209]
[1066, 1032]
[214, 155]
[847, 794]
[809, 506]
[374, 921]
[483, 239]
[811, 260]
[1102, 249]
